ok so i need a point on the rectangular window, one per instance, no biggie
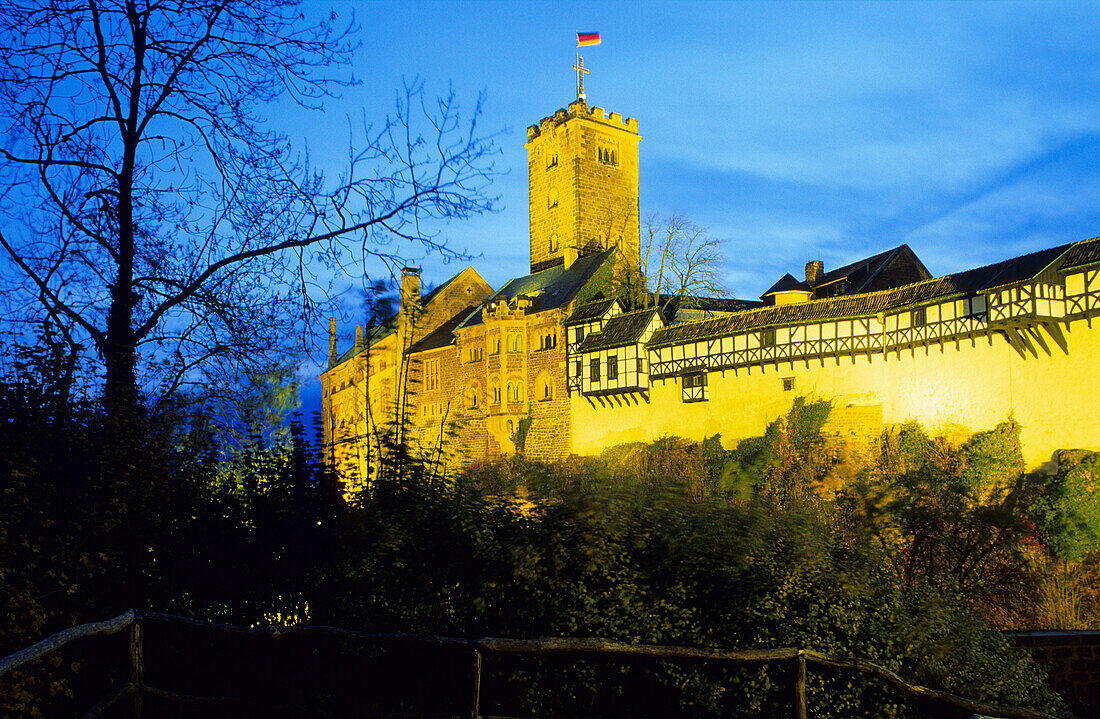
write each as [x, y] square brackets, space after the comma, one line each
[431, 374]
[579, 366]
[595, 369]
[767, 337]
[920, 317]
[580, 334]
[612, 367]
[788, 384]
[695, 388]
[640, 366]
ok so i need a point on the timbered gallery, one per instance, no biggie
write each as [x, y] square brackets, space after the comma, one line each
[575, 357]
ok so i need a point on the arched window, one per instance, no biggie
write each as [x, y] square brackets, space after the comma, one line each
[494, 392]
[552, 197]
[515, 391]
[514, 342]
[554, 242]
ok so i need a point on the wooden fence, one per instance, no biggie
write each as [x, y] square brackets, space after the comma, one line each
[136, 687]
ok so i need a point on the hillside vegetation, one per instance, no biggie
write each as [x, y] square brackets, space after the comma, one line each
[912, 563]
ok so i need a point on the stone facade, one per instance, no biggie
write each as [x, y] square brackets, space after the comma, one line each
[582, 170]
[463, 373]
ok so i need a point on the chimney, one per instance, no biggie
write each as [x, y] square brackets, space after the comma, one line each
[815, 270]
[410, 287]
[332, 342]
[358, 337]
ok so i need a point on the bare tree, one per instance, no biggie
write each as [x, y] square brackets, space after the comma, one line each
[149, 210]
[680, 261]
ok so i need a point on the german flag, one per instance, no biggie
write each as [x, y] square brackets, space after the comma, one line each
[587, 38]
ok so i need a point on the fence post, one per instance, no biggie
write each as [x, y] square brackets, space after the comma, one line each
[137, 666]
[475, 702]
[800, 686]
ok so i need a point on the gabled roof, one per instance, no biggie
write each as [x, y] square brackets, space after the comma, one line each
[372, 336]
[862, 273]
[444, 335]
[425, 299]
[550, 288]
[590, 311]
[685, 309]
[981, 279]
[1085, 252]
[620, 330]
[376, 333]
[787, 283]
[1008, 272]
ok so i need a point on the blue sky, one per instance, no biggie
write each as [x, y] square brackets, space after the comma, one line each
[793, 131]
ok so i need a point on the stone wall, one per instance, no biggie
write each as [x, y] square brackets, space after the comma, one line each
[582, 169]
[1073, 661]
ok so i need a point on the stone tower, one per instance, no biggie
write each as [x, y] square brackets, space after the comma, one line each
[582, 169]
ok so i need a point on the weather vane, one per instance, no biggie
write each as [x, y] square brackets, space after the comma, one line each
[583, 39]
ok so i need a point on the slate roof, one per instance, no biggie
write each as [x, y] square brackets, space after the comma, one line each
[444, 334]
[620, 330]
[1083, 253]
[981, 279]
[787, 283]
[550, 288]
[589, 311]
[677, 309]
[862, 273]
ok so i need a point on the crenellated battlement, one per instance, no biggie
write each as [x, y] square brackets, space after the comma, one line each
[580, 108]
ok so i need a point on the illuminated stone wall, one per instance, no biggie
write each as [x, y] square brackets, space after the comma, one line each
[582, 169]
[949, 387]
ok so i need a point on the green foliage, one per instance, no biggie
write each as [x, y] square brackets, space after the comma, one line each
[519, 437]
[656, 543]
[791, 459]
[1071, 516]
[993, 460]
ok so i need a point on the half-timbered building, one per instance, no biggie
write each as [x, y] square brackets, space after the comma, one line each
[959, 353]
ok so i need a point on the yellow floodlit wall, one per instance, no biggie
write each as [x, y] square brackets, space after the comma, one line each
[948, 387]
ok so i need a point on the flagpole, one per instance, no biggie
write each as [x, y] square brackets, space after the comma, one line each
[580, 77]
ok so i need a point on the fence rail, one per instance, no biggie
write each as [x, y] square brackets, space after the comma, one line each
[136, 687]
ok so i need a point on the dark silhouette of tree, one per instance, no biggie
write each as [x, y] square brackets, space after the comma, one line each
[154, 215]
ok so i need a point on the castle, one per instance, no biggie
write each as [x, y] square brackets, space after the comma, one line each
[572, 359]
